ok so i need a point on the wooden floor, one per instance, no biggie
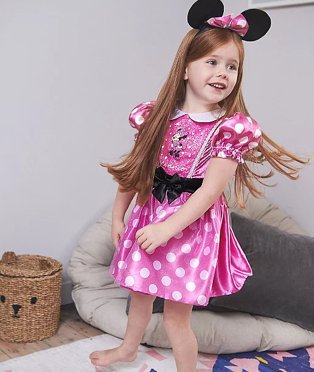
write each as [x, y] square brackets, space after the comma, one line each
[71, 328]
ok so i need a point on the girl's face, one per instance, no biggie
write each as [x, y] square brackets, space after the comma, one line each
[211, 79]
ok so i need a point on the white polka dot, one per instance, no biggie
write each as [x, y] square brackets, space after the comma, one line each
[180, 272]
[239, 128]
[171, 257]
[194, 263]
[208, 227]
[258, 133]
[129, 281]
[227, 135]
[161, 214]
[135, 222]
[145, 211]
[157, 265]
[121, 265]
[190, 286]
[159, 209]
[144, 272]
[204, 274]
[151, 217]
[193, 226]
[201, 300]
[212, 214]
[243, 140]
[199, 239]
[152, 288]
[206, 251]
[179, 236]
[176, 295]
[228, 146]
[217, 238]
[242, 23]
[136, 256]
[186, 248]
[139, 119]
[166, 281]
[221, 154]
[127, 244]
[136, 208]
[252, 145]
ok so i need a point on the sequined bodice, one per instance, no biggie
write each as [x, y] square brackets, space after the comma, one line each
[182, 144]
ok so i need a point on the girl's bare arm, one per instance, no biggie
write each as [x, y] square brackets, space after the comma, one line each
[121, 203]
[217, 176]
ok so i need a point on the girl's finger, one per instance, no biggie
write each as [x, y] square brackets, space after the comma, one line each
[139, 233]
[141, 239]
[151, 249]
[146, 244]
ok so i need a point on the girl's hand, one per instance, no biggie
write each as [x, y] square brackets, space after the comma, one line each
[152, 236]
[117, 230]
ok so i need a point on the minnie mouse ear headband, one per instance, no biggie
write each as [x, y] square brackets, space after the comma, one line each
[250, 25]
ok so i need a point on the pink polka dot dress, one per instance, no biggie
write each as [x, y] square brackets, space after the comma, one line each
[205, 259]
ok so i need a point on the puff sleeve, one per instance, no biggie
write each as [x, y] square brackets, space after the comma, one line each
[234, 137]
[139, 113]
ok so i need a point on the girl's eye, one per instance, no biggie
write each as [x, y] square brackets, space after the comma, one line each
[211, 62]
[232, 67]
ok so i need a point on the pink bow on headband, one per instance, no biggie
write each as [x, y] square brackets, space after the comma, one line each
[237, 24]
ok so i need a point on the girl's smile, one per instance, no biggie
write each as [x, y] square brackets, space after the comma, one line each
[218, 85]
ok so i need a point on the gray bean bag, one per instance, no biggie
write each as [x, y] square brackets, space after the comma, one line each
[101, 303]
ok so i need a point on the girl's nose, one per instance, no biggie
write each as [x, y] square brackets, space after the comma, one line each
[222, 74]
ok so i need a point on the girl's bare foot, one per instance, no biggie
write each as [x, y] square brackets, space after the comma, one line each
[107, 357]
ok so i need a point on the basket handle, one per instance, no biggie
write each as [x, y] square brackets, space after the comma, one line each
[9, 258]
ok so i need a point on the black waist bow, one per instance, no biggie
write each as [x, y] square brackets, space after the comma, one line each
[172, 186]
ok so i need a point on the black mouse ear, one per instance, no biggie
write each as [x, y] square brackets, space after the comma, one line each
[259, 24]
[202, 10]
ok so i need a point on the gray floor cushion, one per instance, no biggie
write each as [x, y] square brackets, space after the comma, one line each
[283, 267]
[101, 303]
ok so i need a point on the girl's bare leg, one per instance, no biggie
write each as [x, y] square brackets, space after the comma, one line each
[140, 313]
[177, 318]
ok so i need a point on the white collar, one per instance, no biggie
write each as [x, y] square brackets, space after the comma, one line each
[201, 117]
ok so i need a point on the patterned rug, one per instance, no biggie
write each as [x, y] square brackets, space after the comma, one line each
[74, 358]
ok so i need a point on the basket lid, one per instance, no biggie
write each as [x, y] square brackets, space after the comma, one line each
[29, 266]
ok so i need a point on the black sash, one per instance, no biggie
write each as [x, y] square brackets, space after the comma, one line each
[173, 186]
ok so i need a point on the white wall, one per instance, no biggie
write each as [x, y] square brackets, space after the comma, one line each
[70, 72]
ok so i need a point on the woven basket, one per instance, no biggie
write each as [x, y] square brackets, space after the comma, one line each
[30, 299]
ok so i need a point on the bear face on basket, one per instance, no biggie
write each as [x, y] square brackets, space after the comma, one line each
[16, 307]
[30, 289]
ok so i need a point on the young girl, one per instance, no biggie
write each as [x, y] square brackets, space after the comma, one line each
[178, 243]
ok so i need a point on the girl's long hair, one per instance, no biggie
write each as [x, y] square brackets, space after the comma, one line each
[136, 171]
